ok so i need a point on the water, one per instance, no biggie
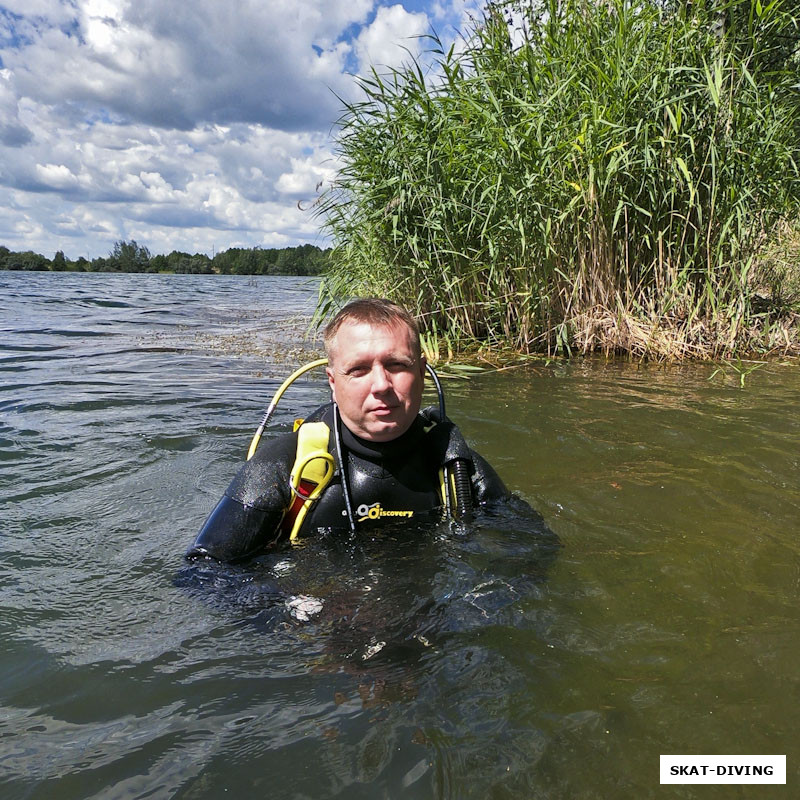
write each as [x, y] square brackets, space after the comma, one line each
[419, 663]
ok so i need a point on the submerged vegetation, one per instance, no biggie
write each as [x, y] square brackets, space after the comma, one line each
[583, 175]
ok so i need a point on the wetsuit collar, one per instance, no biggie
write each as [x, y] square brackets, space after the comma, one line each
[382, 451]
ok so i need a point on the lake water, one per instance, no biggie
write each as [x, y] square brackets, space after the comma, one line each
[469, 663]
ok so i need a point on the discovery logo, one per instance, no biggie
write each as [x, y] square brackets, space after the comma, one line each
[375, 511]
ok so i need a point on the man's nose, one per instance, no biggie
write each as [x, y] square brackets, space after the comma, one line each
[380, 380]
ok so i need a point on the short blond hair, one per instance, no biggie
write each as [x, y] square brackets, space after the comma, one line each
[372, 311]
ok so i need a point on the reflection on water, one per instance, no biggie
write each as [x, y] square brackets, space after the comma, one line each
[416, 663]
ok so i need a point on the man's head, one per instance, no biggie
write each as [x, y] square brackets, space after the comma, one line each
[376, 368]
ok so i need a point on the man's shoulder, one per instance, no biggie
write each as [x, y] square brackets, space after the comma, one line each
[444, 436]
[273, 450]
[487, 484]
[451, 445]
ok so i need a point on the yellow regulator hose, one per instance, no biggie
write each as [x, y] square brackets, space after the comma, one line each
[320, 362]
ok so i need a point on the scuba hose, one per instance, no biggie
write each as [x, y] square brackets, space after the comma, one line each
[456, 481]
[445, 469]
[337, 435]
[320, 362]
[438, 384]
[462, 488]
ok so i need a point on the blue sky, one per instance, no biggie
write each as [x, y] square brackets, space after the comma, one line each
[192, 126]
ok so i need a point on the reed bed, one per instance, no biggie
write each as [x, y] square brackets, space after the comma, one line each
[603, 176]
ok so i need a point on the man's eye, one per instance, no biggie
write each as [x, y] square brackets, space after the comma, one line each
[398, 366]
[357, 372]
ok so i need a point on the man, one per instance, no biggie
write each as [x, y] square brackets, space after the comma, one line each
[391, 461]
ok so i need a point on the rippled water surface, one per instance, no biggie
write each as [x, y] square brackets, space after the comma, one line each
[419, 663]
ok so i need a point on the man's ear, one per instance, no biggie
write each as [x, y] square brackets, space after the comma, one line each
[331, 382]
[422, 364]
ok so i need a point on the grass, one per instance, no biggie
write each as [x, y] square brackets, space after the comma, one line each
[613, 177]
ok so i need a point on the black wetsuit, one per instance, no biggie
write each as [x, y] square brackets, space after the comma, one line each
[387, 480]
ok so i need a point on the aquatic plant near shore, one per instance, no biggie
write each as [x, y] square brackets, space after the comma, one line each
[604, 177]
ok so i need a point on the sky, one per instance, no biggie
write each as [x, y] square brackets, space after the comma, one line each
[191, 125]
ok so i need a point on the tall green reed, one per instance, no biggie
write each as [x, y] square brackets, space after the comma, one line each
[605, 177]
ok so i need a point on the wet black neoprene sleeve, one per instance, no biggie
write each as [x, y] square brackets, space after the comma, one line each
[247, 519]
[487, 485]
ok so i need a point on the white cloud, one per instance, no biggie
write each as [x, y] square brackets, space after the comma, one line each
[13, 133]
[457, 15]
[392, 36]
[306, 179]
[56, 176]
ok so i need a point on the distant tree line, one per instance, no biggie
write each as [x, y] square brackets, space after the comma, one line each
[306, 259]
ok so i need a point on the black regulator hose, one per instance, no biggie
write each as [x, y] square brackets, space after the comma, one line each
[448, 504]
[462, 508]
[438, 384]
[337, 435]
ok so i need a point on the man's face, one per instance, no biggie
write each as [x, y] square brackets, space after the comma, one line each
[376, 379]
